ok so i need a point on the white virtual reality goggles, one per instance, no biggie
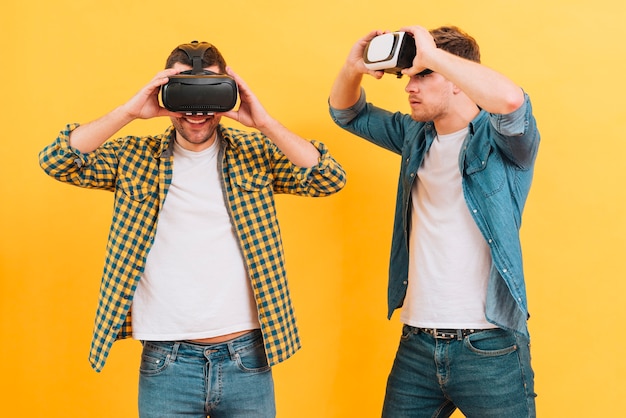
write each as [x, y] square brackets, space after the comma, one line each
[390, 52]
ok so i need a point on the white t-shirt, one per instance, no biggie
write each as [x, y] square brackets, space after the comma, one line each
[195, 283]
[449, 260]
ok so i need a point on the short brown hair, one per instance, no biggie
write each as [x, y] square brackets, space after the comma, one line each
[212, 56]
[457, 42]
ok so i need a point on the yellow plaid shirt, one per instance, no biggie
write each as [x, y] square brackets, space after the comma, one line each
[139, 171]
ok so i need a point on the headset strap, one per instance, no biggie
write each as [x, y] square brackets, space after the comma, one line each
[195, 51]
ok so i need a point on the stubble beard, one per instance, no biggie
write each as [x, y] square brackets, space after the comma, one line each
[195, 138]
[428, 114]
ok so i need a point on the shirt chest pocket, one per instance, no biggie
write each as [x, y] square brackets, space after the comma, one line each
[254, 182]
[129, 191]
[485, 169]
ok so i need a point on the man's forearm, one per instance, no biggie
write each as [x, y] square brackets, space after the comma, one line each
[492, 91]
[297, 149]
[90, 136]
[346, 89]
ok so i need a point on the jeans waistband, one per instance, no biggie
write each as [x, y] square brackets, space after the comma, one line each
[194, 349]
[445, 333]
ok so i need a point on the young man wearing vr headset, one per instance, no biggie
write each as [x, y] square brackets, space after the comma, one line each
[468, 150]
[194, 250]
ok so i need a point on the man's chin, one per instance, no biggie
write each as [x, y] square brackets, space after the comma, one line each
[198, 140]
[420, 117]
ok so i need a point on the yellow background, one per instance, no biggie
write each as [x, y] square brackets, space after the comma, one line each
[71, 60]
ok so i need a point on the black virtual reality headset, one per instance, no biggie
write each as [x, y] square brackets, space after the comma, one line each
[199, 92]
[390, 52]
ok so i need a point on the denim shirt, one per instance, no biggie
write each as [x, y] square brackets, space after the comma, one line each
[497, 159]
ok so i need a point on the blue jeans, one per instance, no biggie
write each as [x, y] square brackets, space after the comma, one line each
[485, 375]
[230, 379]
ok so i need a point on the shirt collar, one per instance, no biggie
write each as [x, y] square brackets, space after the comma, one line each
[476, 121]
[162, 144]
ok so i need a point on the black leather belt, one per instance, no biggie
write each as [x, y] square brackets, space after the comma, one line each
[448, 334]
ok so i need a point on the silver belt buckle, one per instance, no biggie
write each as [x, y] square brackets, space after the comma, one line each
[446, 335]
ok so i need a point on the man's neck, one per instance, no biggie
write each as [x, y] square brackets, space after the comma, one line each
[457, 119]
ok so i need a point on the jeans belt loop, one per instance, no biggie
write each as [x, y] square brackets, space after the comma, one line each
[232, 351]
[174, 352]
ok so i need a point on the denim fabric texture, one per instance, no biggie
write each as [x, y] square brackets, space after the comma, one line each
[486, 375]
[496, 162]
[225, 380]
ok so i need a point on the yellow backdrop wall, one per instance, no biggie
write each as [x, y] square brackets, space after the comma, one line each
[69, 60]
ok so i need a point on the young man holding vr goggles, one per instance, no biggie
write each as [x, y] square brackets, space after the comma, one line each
[195, 266]
[468, 148]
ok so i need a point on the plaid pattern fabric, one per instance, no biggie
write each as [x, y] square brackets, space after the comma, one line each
[139, 171]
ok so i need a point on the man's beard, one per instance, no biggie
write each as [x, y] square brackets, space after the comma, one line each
[195, 137]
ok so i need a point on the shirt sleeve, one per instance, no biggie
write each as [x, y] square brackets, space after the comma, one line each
[342, 117]
[515, 123]
[325, 178]
[379, 126]
[517, 134]
[59, 158]
[67, 164]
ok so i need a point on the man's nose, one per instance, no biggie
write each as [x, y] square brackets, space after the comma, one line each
[412, 85]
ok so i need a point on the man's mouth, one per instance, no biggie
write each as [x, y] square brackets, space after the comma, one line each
[196, 121]
[413, 100]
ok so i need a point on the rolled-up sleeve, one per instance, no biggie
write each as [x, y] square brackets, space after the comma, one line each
[59, 159]
[514, 123]
[518, 136]
[325, 178]
[67, 164]
[342, 117]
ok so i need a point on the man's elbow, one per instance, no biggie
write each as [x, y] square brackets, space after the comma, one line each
[513, 101]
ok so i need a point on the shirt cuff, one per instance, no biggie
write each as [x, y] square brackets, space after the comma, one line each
[63, 146]
[323, 163]
[514, 123]
[344, 116]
